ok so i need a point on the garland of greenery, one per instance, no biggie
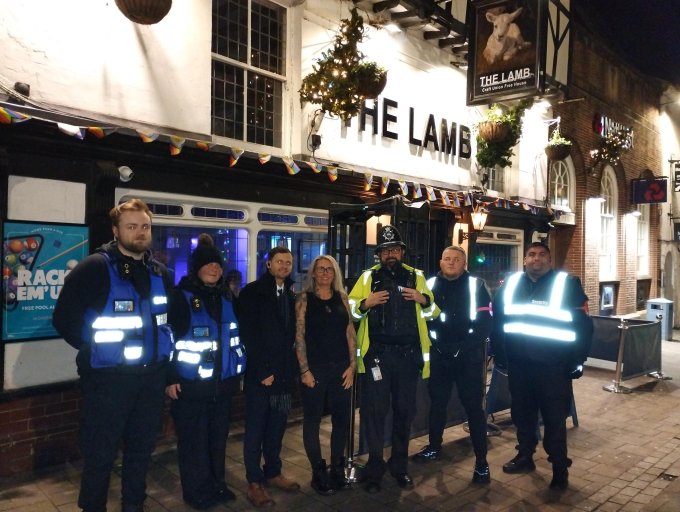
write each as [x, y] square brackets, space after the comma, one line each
[338, 76]
[490, 154]
[612, 146]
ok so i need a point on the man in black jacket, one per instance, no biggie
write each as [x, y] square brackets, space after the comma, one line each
[266, 314]
[458, 355]
[542, 332]
[113, 310]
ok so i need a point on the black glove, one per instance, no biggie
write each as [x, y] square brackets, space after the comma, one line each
[575, 372]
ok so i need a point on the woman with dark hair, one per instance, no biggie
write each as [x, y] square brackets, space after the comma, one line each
[325, 344]
[207, 360]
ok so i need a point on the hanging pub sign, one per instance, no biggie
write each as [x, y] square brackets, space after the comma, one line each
[652, 190]
[507, 50]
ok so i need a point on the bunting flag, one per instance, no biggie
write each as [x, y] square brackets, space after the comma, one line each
[332, 173]
[417, 193]
[100, 132]
[147, 136]
[456, 200]
[263, 158]
[368, 181]
[236, 153]
[404, 187]
[8, 116]
[468, 199]
[445, 197]
[204, 145]
[176, 144]
[558, 214]
[315, 167]
[384, 183]
[430, 193]
[291, 166]
[74, 131]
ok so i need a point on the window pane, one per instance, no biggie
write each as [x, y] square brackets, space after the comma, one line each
[268, 21]
[559, 184]
[230, 29]
[227, 100]
[264, 110]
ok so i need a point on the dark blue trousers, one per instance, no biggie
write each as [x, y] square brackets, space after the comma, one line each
[115, 407]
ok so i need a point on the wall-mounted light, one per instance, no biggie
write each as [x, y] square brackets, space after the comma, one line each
[476, 223]
[125, 174]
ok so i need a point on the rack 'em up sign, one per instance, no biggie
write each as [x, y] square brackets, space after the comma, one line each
[651, 190]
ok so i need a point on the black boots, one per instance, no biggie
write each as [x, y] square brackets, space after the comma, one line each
[560, 480]
[520, 464]
[338, 479]
[320, 480]
[481, 473]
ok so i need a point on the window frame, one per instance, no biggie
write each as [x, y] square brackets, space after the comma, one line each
[607, 249]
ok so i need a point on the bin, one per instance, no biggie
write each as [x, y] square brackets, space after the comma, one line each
[662, 310]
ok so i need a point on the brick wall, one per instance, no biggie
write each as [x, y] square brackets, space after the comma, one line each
[601, 83]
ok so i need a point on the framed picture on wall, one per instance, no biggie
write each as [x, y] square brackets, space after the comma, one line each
[607, 297]
[36, 257]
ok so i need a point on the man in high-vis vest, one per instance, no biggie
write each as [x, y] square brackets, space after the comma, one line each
[392, 303]
[458, 355]
[113, 309]
[542, 334]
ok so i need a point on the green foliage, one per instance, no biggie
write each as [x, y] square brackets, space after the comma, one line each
[556, 139]
[338, 76]
[490, 154]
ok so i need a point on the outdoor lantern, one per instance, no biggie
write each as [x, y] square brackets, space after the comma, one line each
[479, 219]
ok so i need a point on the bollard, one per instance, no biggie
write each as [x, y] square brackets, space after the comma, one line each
[615, 386]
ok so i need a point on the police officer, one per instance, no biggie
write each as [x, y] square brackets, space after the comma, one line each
[458, 337]
[542, 332]
[113, 310]
[392, 302]
[207, 359]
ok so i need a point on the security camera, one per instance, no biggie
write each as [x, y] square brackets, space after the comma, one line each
[125, 173]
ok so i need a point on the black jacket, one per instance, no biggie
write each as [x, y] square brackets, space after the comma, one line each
[269, 340]
[525, 349]
[87, 286]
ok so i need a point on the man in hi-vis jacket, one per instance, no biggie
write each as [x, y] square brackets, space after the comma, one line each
[392, 303]
[542, 333]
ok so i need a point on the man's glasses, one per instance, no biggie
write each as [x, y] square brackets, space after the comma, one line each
[391, 250]
[325, 270]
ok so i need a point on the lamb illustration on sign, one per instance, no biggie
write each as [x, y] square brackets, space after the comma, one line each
[506, 39]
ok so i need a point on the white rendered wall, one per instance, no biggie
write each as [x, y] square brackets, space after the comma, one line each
[85, 55]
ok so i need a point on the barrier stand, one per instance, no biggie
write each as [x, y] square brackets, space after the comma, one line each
[615, 386]
[659, 376]
[350, 466]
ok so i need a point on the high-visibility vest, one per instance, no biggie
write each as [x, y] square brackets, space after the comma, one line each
[129, 330]
[472, 311]
[546, 319]
[206, 343]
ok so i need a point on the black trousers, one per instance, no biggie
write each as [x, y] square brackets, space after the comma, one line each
[400, 371]
[115, 407]
[328, 389]
[466, 371]
[263, 438]
[202, 427]
[538, 387]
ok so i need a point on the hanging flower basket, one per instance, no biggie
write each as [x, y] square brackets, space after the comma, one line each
[558, 151]
[144, 12]
[492, 131]
[371, 80]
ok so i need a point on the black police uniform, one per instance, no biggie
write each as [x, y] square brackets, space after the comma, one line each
[540, 369]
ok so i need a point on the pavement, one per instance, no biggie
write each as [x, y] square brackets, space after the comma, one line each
[626, 453]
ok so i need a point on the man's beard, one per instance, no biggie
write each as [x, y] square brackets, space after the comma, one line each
[392, 263]
[138, 246]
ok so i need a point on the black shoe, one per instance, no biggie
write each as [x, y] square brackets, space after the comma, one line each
[560, 480]
[427, 454]
[320, 482]
[404, 481]
[520, 464]
[481, 474]
[224, 494]
[338, 480]
[127, 507]
[372, 487]
[202, 503]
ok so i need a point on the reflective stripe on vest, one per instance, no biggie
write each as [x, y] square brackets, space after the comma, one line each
[553, 311]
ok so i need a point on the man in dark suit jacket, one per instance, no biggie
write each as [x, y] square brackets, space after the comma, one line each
[266, 314]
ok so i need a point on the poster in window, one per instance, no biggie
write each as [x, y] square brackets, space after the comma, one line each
[507, 50]
[36, 257]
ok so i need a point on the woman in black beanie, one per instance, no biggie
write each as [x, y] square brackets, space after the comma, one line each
[207, 361]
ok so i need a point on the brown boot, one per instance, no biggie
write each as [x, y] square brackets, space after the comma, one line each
[257, 495]
[283, 483]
